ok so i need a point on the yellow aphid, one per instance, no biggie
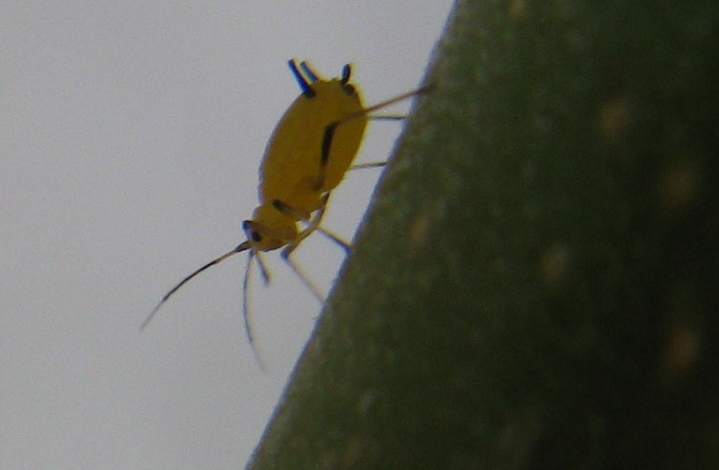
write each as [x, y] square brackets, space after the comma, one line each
[307, 156]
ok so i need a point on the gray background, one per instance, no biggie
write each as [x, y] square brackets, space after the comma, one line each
[130, 138]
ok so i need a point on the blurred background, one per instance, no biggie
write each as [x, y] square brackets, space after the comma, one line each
[130, 138]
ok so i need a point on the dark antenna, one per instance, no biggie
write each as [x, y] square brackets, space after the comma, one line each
[241, 247]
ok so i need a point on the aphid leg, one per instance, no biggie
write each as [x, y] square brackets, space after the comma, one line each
[286, 256]
[246, 309]
[330, 129]
[387, 117]
[291, 211]
[317, 219]
[361, 166]
[290, 247]
[313, 223]
[337, 239]
[380, 105]
[263, 267]
[301, 274]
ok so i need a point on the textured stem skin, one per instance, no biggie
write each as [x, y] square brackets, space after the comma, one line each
[537, 283]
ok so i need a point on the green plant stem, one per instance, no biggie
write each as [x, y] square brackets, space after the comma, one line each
[536, 283]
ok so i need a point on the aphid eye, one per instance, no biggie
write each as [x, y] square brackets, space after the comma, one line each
[253, 235]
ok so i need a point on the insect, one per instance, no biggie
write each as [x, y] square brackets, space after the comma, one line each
[307, 156]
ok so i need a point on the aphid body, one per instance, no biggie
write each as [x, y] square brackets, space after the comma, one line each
[308, 154]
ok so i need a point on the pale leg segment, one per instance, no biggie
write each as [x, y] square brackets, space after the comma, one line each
[313, 224]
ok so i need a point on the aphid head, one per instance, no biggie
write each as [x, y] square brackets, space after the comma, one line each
[269, 229]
